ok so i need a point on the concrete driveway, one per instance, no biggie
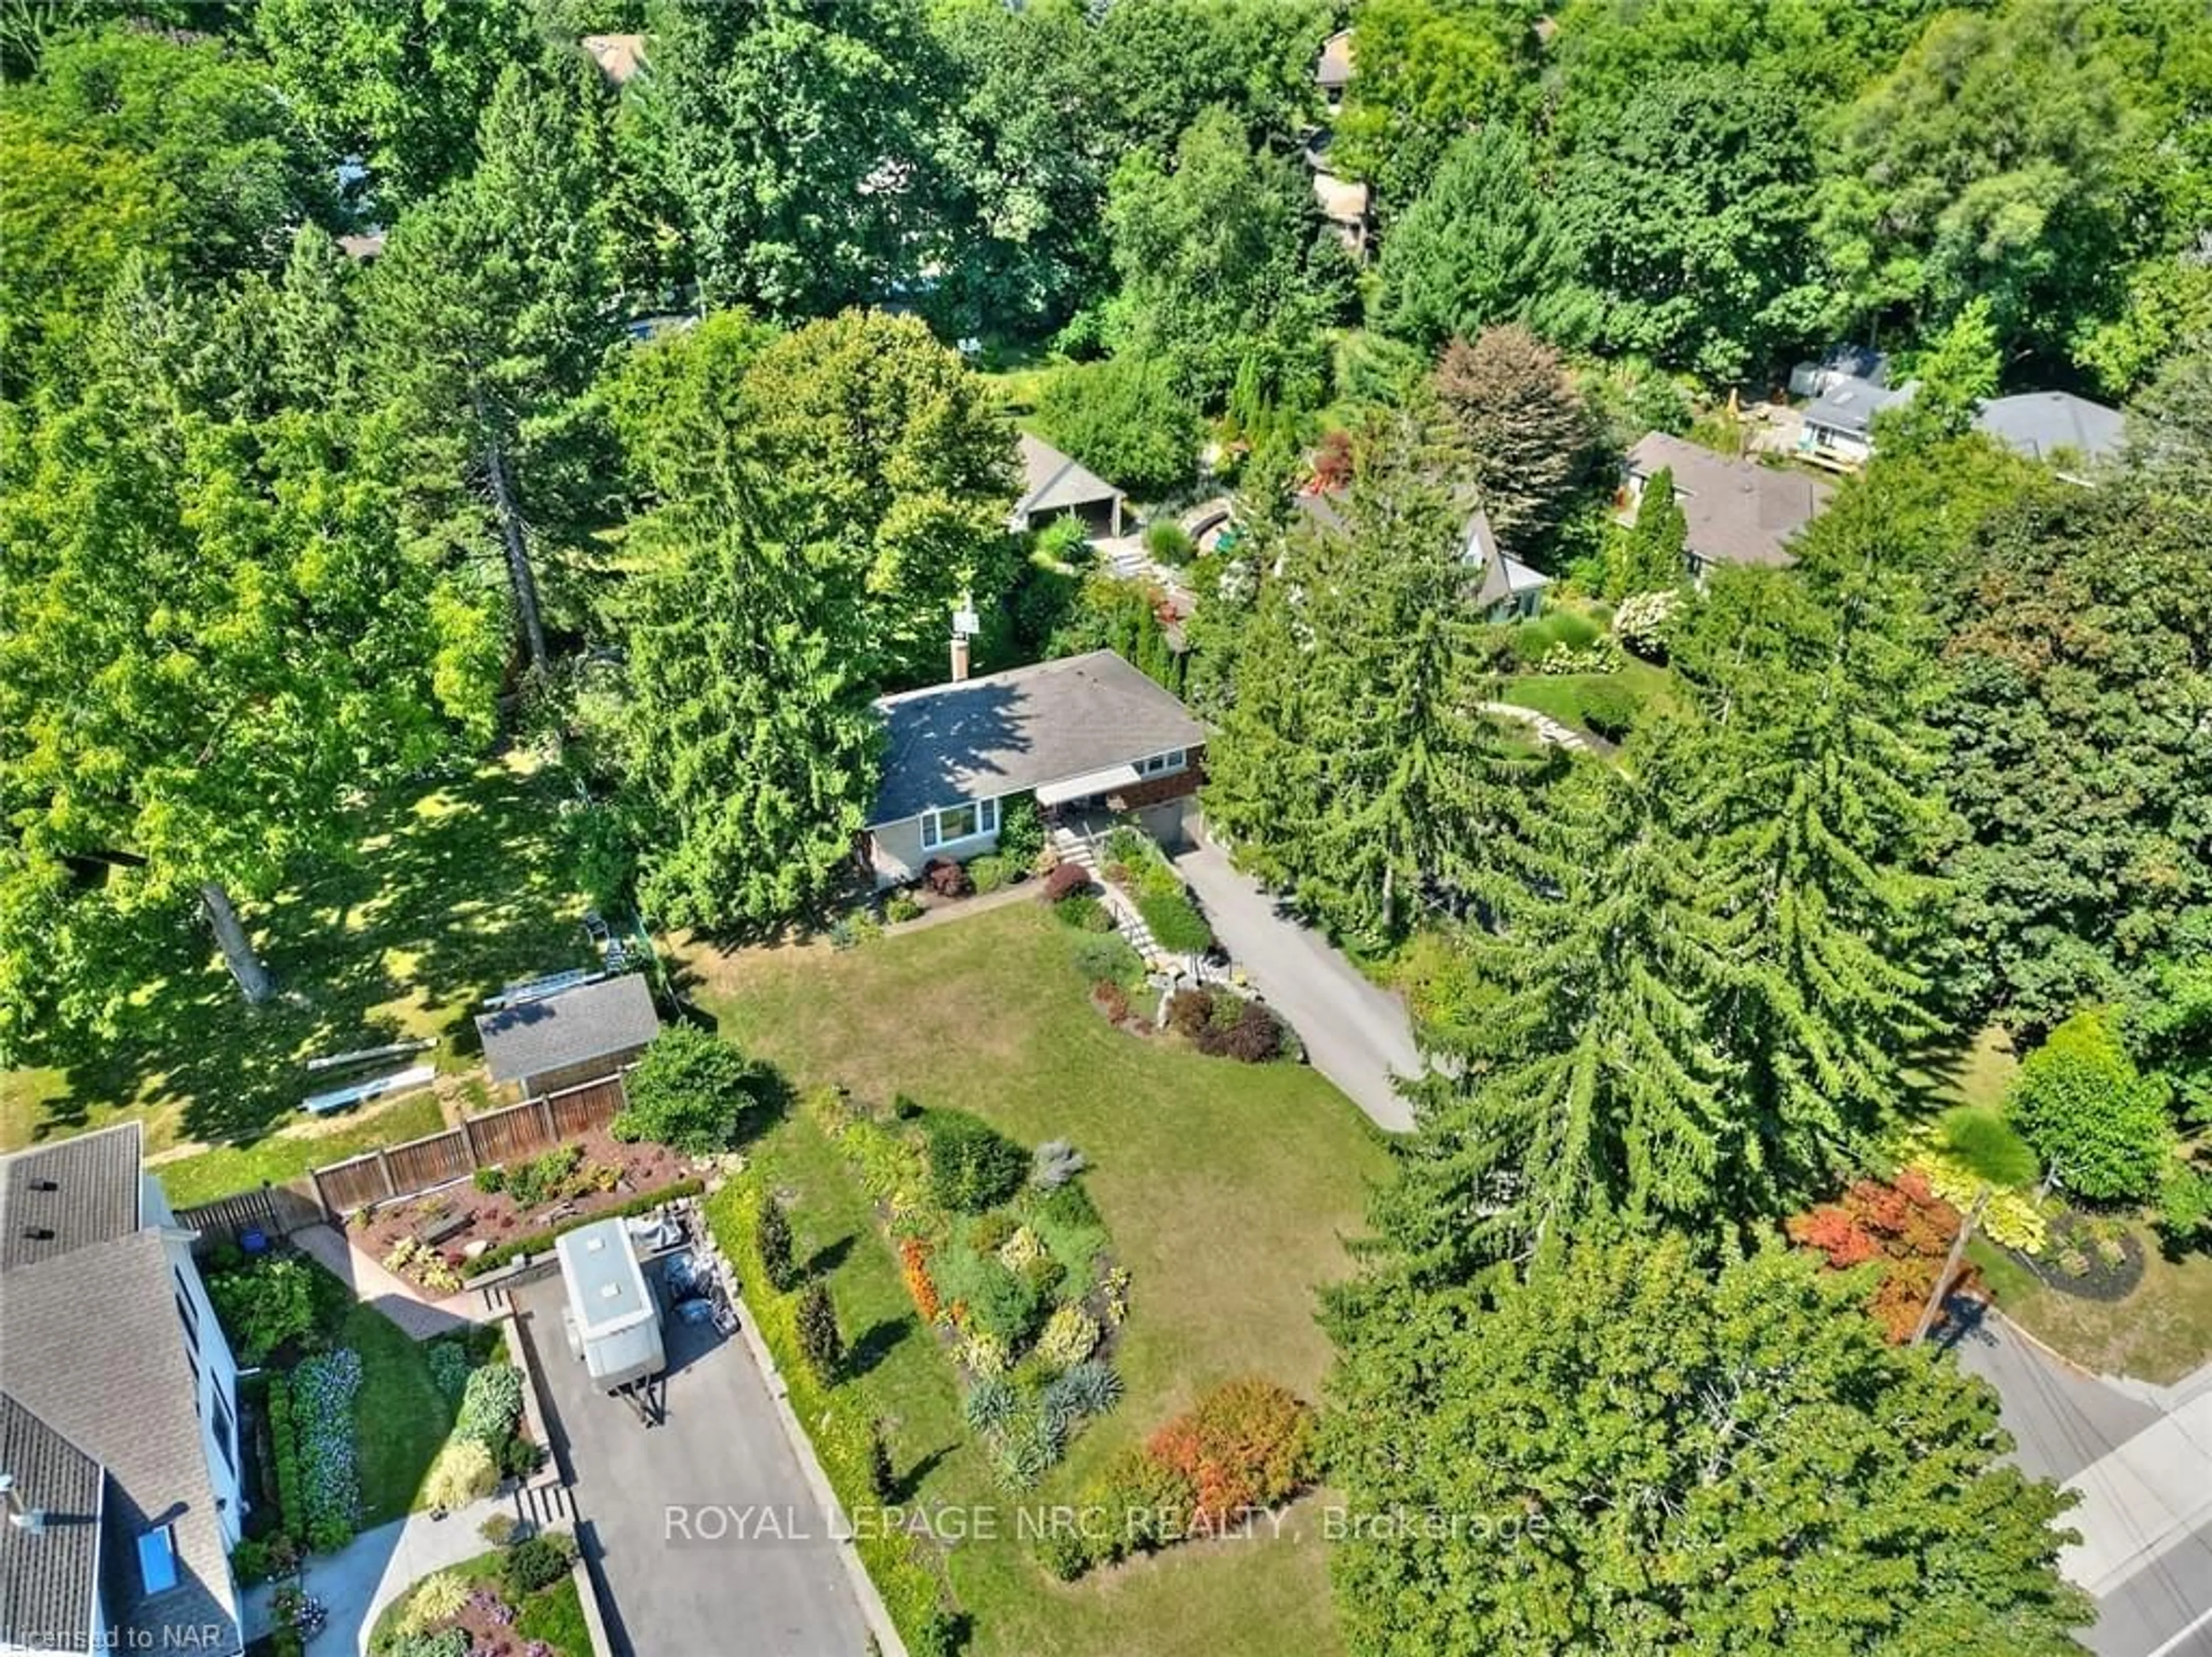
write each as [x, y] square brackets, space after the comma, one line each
[761, 1575]
[1357, 1035]
[2141, 1459]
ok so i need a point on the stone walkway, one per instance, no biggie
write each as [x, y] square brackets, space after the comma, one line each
[1547, 728]
[390, 1294]
[376, 1567]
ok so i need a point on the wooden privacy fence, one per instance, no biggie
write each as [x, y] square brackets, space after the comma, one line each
[273, 1210]
[497, 1136]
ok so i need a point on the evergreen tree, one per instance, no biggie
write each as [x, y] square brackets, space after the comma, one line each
[1650, 555]
[1523, 433]
[1595, 1084]
[819, 1338]
[1642, 1459]
[772, 1237]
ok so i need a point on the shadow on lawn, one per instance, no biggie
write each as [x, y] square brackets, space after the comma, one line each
[448, 889]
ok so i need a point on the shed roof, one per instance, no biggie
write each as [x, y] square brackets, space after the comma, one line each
[1849, 404]
[1334, 70]
[1504, 576]
[1737, 511]
[1053, 482]
[68, 1194]
[49, 1579]
[621, 57]
[2043, 424]
[1012, 732]
[592, 1021]
[117, 1384]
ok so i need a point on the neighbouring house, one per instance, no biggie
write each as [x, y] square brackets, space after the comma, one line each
[621, 57]
[1842, 363]
[1508, 590]
[1839, 424]
[2054, 426]
[1346, 204]
[1505, 590]
[1737, 511]
[118, 1413]
[590, 1033]
[1084, 733]
[1057, 485]
[364, 247]
[1333, 72]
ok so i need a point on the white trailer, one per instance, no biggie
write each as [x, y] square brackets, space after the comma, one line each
[612, 1319]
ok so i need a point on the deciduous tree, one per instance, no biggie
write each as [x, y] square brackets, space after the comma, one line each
[1523, 432]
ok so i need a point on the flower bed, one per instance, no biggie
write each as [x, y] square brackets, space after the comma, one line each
[584, 1179]
[1005, 1260]
[323, 1388]
[490, 1606]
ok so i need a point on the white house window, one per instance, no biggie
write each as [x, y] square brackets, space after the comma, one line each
[967, 821]
[1160, 764]
[225, 1431]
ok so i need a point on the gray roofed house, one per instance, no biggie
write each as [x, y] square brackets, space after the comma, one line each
[1839, 425]
[2047, 425]
[1737, 511]
[1509, 588]
[1082, 729]
[580, 1035]
[49, 1568]
[108, 1343]
[1054, 484]
[69, 1195]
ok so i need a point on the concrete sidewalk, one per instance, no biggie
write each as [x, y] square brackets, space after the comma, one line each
[379, 1566]
[1357, 1034]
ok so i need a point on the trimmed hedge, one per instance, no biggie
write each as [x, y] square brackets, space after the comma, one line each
[284, 1448]
[493, 1258]
[841, 1426]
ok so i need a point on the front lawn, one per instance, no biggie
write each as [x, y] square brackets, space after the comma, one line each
[449, 890]
[1649, 689]
[2159, 1332]
[1226, 1189]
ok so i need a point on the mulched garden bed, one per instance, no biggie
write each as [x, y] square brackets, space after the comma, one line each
[606, 1175]
[2087, 1261]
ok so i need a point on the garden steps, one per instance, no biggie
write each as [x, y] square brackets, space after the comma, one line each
[545, 1505]
[1073, 847]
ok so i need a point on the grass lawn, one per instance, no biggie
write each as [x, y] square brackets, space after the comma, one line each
[400, 1417]
[2160, 1332]
[202, 1176]
[1562, 696]
[1227, 1190]
[448, 890]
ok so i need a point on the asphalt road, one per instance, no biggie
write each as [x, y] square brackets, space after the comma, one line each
[758, 1570]
[1356, 1034]
[2141, 1460]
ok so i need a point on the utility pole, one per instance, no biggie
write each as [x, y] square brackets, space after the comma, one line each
[1935, 1307]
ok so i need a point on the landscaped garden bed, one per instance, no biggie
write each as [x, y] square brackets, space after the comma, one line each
[585, 1178]
[517, 1601]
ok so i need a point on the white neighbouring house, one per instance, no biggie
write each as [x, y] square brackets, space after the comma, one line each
[1083, 733]
[118, 1413]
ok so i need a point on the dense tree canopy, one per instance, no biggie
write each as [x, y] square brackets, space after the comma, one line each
[1620, 1454]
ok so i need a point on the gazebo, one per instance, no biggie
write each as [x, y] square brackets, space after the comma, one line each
[1054, 484]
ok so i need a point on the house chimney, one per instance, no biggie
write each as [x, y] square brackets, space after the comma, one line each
[959, 657]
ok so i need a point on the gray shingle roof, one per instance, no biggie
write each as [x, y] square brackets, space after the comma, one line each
[1011, 732]
[1504, 576]
[1848, 403]
[1053, 482]
[50, 1579]
[65, 1195]
[593, 1021]
[91, 1343]
[2041, 423]
[1737, 511]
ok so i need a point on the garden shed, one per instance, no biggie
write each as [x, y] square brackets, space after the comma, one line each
[584, 1034]
[1056, 485]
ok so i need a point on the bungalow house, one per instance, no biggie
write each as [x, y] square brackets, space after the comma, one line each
[1333, 72]
[1055, 485]
[118, 1418]
[588, 1033]
[1848, 387]
[1084, 733]
[1508, 590]
[1737, 511]
[2053, 425]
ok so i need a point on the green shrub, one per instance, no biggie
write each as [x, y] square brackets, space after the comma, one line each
[498, 1529]
[1174, 922]
[972, 1166]
[820, 1337]
[491, 1404]
[448, 1364]
[1021, 833]
[545, 1178]
[2099, 1126]
[1084, 913]
[772, 1237]
[264, 1306]
[1610, 707]
[1125, 418]
[987, 873]
[489, 1180]
[464, 1472]
[1166, 541]
[901, 906]
[437, 1598]
[690, 1091]
[445, 1642]
[1108, 959]
[520, 1458]
[537, 1562]
[1572, 629]
[536, 1242]
[998, 1300]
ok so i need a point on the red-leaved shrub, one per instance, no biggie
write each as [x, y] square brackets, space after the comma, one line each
[1110, 999]
[1248, 1444]
[913, 1261]
[1904, 1226]
[1065, 881]
[946, 878]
